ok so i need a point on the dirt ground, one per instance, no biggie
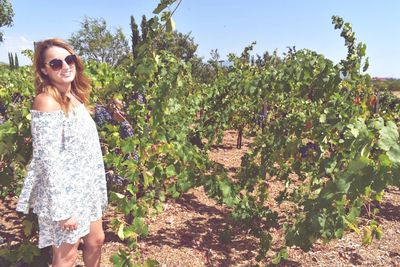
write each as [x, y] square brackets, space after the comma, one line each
[190, 231]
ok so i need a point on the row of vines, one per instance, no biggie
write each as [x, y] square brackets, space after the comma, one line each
[319, 130]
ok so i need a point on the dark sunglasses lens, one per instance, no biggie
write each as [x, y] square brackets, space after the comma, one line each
[71, 59]
[56, 64]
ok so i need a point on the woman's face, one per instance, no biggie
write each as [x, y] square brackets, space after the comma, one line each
[59, 67]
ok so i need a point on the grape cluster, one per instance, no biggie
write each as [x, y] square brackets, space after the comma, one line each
[2, 121]
[140, 97]
[116, 180]
[259, 119]
[16, 97]
[125, 130]
[133, 155]
[3, 110]
[309, 146]
[102, 115]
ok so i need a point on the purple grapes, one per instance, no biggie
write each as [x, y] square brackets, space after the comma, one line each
[140, 97]
[116, 180]
[309, 146]
[135, 156]
[132, 155]
[102, 116]
[3, 110]
[125, 130]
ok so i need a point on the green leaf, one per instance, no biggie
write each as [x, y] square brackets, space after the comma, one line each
[128, 147]
[225, 188]
[151, 263]
[161, 6]
[367, 235]
[171, 26]
[173, 191]
[148, 179]
[27, 252]
[394, 153]
[140, 226]
[354, 131]
[342, 186]
[120, 231]
[378, 232]
[388, 136]
[281, 255]
[378, 123]
[28, 225]
[384, 160]
[121, 259]
[170, 171]
[358, 164]
[322, 118]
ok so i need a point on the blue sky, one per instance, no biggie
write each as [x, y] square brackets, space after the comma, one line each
[228, 25]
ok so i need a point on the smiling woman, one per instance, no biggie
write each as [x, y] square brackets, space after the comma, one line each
[57, 64]
[65, 185]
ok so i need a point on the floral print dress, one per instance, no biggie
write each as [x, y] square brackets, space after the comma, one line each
[65, 176]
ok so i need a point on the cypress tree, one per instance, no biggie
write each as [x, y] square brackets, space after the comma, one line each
[135, 37]
[10, 60]
[16, 63]
[144, 27]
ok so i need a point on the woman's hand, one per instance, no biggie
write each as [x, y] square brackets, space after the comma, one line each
[68, 224]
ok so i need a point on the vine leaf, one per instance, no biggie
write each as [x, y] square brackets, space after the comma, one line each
[389, 136]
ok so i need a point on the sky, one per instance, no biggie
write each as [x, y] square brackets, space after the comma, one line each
[227, 25]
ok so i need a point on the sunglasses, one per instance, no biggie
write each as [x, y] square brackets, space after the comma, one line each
[57, 64]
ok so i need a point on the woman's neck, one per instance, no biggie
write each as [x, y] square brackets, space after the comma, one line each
[64, 89]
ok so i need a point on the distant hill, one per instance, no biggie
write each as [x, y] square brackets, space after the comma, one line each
[383, 83]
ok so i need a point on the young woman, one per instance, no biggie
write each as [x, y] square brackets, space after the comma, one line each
[65, 185]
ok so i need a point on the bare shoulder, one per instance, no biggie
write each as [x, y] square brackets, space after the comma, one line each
[45, 102]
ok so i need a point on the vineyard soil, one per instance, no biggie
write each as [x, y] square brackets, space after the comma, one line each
[192, 231]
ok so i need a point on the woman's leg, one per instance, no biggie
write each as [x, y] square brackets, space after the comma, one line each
[65, 255]
[92, 244]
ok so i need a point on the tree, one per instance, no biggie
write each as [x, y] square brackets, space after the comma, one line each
[95, 42]
[10, 60]
[6, 16]
[135, 37]
[16, 62]
[144, 27]
[181, 45]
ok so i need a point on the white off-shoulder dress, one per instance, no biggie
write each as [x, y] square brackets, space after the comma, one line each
[65, 176]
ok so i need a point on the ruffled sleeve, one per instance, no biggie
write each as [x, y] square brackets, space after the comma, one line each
[46, 187]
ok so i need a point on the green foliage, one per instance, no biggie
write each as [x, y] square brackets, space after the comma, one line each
[135, 36]
[322, 137]
[6, 16]
[95, 42]
[28, 53]
[326, 141]
[16, 93]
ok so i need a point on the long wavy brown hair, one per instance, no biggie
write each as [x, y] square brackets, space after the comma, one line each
[81, 85]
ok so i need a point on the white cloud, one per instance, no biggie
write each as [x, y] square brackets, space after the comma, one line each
[15, 44]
